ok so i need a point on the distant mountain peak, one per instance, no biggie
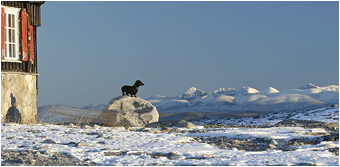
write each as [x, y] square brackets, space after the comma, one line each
[309, 86]
[269, 90]
[248, 90]
[224, 91]
[192, 93]
[192, 90]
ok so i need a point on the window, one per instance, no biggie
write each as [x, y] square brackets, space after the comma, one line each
[12, 34]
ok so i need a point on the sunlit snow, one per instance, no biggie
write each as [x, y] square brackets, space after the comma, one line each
[121, 146]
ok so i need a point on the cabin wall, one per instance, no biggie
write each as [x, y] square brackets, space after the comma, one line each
[32, 8]
[19, 80]
[18, 98]
[33, 21]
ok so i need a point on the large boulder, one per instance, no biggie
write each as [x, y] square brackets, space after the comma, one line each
[128, 112]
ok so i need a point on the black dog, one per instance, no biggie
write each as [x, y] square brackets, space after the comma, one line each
[132, 90]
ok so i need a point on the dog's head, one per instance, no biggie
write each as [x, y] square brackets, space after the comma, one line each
[138, 83]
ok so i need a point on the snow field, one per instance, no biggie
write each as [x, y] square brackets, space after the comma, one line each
[329, 115]
[119, 146]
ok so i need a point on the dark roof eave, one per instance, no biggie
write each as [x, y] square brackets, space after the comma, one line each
[37, 2]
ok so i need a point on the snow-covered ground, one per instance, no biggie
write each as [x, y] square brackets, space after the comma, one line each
[121, 146]
[329, 115]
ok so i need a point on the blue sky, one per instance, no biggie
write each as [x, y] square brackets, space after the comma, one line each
[88, 50]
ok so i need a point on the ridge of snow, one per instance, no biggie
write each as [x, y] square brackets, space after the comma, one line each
[224, 91]
[269, 90]
[288, 98]
[308, 86]
[330, 88]
[247, 90]
[248, 98]
[193, 93]
[225, 98]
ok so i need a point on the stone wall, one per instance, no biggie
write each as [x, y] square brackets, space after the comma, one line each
[18, 97]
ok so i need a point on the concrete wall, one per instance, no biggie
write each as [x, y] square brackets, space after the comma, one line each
[18, 97]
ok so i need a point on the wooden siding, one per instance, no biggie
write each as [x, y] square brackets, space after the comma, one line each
[33, 21]
[32, 8]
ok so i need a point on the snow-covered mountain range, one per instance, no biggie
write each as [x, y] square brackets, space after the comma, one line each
[247, 98]
[222, 100]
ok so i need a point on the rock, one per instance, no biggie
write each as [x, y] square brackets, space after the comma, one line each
[28, 158]
[206, 156]
[331, 137]
[234, 142]
[35, 131]
[131, 129]
[85, 127]
[185, 131]
[45, 147]
[172, 155]
[335, 105]
[97, 126]
[305, 164]
[272, 146]
[185, 124]
[49, 141]
[32, 161]
[274, 142]
[155, 131]
[154, 125]
[142, 130]
[10, 124]
[100, 136]
[23, 146]
[118, 153]
[48, 152]
[71, 143]
[82, 144]
[128, 112]
[110, 137]
[175, 130]
[165, 129]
